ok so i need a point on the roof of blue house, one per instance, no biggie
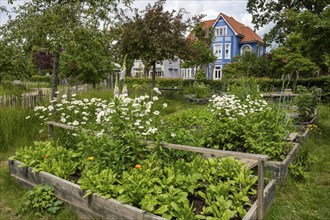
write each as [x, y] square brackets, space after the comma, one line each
[246, 33]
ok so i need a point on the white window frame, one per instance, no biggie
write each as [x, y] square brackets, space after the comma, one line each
[227, 53]
[217, 52]
[220, 31]
[217, 72]
[244, 46]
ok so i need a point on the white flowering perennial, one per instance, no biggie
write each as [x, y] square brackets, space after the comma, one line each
[230, 106]
[71, 112]
[123, 112]
[112, 117]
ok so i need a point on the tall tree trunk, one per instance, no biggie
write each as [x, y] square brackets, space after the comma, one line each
[153, 74]
[56, 63]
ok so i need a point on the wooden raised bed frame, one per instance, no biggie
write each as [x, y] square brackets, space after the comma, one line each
[251, 160]
[98, 207]
[280, 169]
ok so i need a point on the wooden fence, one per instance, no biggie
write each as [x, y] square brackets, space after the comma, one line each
[25, 100]
[38, 97]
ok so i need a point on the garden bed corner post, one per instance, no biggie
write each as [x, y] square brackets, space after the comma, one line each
[50, 131]
[261, 187]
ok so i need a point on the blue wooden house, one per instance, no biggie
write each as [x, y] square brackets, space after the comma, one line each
[231, 38]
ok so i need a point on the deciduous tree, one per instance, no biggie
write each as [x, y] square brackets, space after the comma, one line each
[153, 35]
[52, 24]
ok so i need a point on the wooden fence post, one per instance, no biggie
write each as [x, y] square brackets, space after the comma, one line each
[261, 187]
[50, 131]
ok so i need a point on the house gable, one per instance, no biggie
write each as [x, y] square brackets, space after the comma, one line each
[230, 37]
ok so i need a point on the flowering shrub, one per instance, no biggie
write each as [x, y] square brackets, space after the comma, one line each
[230, 106]
[249, 126]
[114, 117]
[111, 130]
[71, 111]
[123, 114]
[229, 123]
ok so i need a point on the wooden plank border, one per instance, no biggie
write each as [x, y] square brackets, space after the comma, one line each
[269, 196]
[98, 207]
[280, 169]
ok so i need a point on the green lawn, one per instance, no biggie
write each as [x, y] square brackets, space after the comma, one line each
[309, 198]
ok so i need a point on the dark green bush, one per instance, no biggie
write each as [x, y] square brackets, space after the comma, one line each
[36, 78]
[265, 84]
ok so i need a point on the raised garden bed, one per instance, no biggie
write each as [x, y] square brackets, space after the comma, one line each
[98, 207]
[197, 100]
[280, 169]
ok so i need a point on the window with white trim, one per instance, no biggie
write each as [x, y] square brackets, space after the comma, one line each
[245, 48]
[217, 50]
[217, 72]
[227, 51]
[220, 31]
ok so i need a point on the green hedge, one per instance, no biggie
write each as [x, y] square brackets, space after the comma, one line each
[265, 84]
[36, 78]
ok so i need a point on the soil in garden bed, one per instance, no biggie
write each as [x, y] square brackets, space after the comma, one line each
[75, 177]
[198, 202]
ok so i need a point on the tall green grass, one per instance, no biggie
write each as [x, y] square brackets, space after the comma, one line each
[16, 130]
[308, 198]
[105, 94]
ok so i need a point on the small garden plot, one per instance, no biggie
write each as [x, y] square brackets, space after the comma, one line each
[114, 161]
[166, 183]
[250, 125]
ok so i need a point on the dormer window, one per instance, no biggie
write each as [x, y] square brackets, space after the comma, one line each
[220, 31]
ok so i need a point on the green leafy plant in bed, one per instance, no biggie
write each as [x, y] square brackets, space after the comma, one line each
[161, 184]
[197, 90]
[46, 156]
[307, 102]
[170, 190]
[41, 199]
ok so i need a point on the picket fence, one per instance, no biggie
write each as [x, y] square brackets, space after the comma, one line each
[39, 97]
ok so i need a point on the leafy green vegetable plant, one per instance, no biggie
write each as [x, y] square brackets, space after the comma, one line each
[41, 199]
[306, 102]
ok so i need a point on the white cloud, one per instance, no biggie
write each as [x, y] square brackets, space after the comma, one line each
[211, 8]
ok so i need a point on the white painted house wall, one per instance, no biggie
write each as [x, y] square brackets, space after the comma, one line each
[166, 69]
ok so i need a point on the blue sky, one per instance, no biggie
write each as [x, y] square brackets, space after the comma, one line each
[211, 8]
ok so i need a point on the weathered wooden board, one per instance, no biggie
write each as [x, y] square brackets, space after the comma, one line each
[215, 152]
[93, 206]
[280, 169]
[292, 136]
[269, 195]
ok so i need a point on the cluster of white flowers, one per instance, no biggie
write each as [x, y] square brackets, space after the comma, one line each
[71, 112]
[138, 114]
[230, 106]
[157, 91]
